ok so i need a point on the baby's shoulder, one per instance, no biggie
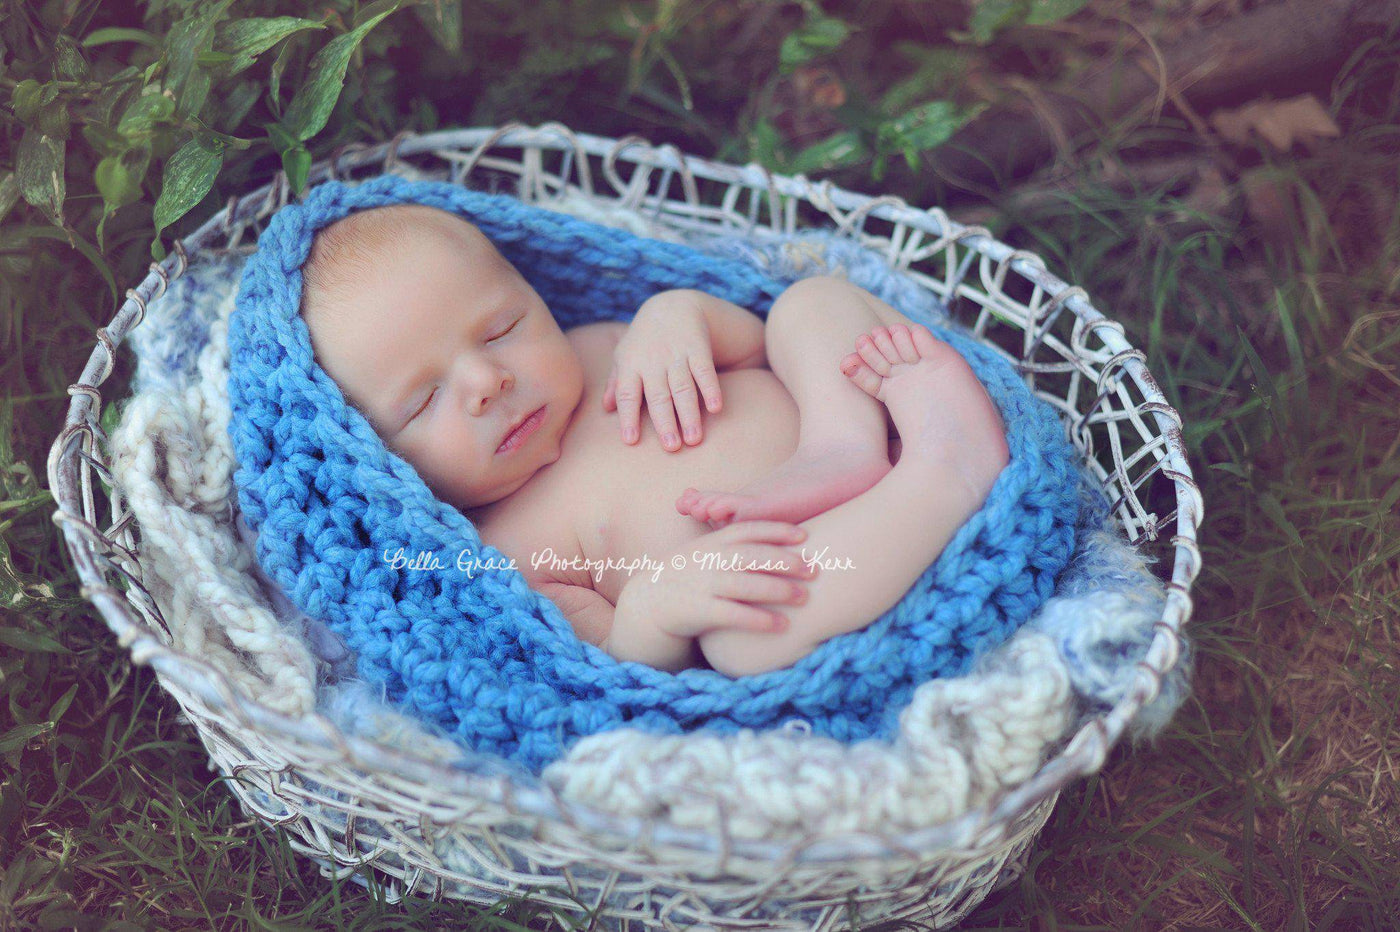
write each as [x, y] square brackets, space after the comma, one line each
[598, 338]
[594, 344]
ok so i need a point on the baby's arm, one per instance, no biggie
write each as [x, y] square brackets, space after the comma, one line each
[588, 611]
[736, 335]
[594, 619]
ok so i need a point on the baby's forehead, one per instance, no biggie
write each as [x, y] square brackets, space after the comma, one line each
[370, 243]
[389, 227]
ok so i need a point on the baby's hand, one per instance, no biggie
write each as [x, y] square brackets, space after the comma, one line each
[662, 357]
[693, 595]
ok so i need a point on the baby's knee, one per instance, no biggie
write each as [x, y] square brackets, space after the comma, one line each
[815, 295]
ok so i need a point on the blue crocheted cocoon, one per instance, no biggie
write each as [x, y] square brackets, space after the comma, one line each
[494, 662]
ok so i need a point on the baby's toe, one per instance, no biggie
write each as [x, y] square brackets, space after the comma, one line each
[883, 339]
[924, 340]
[724, 509]
[904, 343]
[872, 354]
[855, 369]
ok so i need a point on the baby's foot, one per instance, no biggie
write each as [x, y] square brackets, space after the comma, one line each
[816, 478]
[936, 402]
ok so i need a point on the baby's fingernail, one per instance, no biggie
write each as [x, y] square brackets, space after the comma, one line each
[669, 440]
[630, 434]
[693, 434]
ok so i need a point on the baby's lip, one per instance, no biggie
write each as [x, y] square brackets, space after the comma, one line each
[516, 426]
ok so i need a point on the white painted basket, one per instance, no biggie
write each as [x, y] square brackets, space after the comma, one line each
[396, 806]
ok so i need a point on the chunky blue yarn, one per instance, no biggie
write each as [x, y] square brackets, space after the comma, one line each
[491, 660]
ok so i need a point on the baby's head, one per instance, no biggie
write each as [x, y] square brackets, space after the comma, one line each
[443, 347]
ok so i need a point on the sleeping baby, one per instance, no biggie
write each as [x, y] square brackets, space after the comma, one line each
[788, 481]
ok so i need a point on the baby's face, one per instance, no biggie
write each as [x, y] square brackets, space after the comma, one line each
[446, 350]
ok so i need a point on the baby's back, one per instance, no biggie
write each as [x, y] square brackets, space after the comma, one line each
[604, 500]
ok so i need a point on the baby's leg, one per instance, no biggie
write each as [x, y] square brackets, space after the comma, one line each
[871, 549]
[843, 445]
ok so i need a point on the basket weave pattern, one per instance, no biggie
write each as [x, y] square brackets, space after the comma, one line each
[397, 809]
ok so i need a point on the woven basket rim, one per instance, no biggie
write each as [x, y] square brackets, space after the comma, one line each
[72, 459]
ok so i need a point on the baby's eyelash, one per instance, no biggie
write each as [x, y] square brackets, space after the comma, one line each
[507, 330]
[426, 404]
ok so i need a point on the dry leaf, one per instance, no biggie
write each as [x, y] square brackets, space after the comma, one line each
[1280, 122]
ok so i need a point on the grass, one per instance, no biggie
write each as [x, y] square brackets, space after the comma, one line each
[1268, 804]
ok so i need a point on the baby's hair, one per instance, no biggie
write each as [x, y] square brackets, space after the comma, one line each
[347, 250]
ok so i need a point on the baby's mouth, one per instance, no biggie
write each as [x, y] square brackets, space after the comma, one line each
[522, 431]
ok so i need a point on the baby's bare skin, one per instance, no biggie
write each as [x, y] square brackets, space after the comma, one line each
[806, 441]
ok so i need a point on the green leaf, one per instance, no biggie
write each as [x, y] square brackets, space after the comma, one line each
[119, 180]
[54, 120]
[1049, 11]
[837, 151]
[990, 16]
[145, 112]
[68, 62]
[9, 194]
[30, 97]
[764, 144]
[237, 102]
[1272, 507]
[62, 703]
[197, 89]
[120, 87]
[296, 162]
[936, 73]
[281, 140]
[245, 39]
[186, 41]
[39, 165]
[34, 642]
[274, 87]
[443, 20]
[189, 175]
[17, 738]
[313, 102]
[108, 36]
[922, 128]
[104, 139]
[818, 36]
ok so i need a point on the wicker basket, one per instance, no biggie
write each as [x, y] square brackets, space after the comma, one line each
[396, 805]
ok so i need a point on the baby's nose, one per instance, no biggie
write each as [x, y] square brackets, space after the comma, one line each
[494, 386]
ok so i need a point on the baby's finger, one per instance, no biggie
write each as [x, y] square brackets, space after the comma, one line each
[760, 587]
[663, 415]
[748, 617]
[703, 368]
[776, 560]
[610, 392]
[686, 400]
[628, 394]
[774, 532]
